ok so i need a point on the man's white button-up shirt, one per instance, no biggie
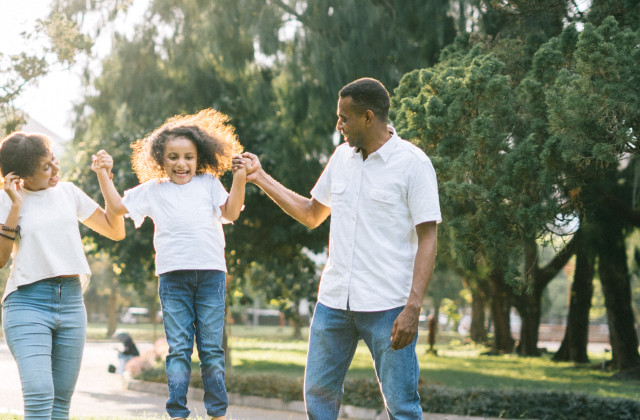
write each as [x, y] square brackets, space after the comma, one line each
[375, 206]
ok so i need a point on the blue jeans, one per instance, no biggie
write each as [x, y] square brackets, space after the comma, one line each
[45, 325]
[193, 305]
[333, 339]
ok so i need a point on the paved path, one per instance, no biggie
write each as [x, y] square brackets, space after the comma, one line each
[99, 393]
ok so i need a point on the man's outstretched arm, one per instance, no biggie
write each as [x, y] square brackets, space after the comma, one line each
[307, 211]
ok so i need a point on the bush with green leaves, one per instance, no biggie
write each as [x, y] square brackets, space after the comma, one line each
[515, 403]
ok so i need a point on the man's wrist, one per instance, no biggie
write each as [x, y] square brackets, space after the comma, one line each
[260, 178]
[413, 306]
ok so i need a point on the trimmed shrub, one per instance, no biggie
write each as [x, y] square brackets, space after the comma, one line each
[514, 403]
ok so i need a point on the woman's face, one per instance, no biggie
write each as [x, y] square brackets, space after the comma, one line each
[45, 175]
[180, 160]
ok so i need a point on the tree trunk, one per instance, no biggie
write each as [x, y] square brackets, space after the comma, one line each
[478, 332]
[576, 335]
[528, 307]
[529, 302]
[503, 342]
[616, 287]
[112, 311]
[296, 320]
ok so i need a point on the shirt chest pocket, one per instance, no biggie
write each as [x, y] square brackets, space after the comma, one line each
[385, 207]
[338, 191]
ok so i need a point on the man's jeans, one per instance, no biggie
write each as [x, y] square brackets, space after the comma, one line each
[333, 339]
[45, 325]
[193, 304]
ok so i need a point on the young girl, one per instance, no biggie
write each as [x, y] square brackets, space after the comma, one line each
[44, 317]
[177, 166]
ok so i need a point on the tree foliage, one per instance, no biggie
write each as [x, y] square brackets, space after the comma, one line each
[521, 135]
[275, 69]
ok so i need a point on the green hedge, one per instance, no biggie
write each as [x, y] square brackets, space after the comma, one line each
[437, 399]
[529, 405]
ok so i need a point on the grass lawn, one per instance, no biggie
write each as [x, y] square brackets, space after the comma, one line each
[271, 351]
[456, 366]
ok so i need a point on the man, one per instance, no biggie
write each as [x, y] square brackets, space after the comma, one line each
[381, 192]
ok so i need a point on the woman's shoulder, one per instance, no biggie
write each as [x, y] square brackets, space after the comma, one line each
[67, 187]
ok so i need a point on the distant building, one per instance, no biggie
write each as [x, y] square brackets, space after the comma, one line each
[33, 126]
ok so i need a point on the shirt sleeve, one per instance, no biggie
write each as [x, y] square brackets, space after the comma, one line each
[85, 205]
[424, 203]
[322, 190]
[219, 196]
[137, 201]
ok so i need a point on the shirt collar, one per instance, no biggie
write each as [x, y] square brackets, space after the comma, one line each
[385, 150]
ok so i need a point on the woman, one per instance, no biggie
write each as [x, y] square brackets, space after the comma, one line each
[44, 318]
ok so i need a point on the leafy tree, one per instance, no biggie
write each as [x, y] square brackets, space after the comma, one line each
[517, 166]
[278, 90]
[61, 43]
[593, 114]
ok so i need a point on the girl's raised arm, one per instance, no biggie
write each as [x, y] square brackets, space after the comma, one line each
[110, 221]
[232, 208]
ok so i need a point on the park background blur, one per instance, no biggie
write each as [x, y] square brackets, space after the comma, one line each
[529, 111]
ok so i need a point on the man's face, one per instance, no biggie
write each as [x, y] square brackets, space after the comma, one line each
[351, 123]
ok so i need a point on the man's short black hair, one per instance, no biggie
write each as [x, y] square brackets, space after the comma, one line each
[368, 94]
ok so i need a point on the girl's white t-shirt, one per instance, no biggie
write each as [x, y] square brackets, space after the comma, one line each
[49, 244]
[188, 221]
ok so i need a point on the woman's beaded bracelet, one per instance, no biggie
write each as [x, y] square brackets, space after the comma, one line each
[10, 229]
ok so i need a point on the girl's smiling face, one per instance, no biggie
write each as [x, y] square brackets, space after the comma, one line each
[45, 175]
[180, 160]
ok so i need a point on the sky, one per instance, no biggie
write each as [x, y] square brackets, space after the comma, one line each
[50, 100]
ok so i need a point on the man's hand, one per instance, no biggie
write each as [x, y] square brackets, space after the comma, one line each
[405, 328]
[253, 166]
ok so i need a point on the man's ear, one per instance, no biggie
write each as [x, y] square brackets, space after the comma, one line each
[369, 117]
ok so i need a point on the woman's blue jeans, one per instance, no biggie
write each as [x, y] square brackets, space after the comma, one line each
[333, 339]
[45, 325]
[193, 305]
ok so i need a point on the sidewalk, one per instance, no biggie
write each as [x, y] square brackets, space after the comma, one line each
[106, 395]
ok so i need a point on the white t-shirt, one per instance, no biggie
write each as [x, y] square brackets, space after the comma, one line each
[49, 244]
[188, 221]
[375, 206]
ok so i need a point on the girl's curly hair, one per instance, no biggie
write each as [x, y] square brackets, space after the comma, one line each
[215, 141]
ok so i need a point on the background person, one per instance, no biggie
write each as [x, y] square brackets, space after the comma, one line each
[128, 351]
[381, 192]
[44, 317]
